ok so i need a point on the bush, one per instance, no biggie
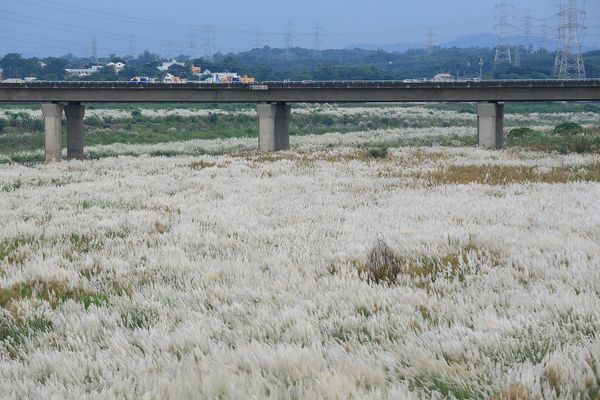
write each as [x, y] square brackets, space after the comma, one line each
[3, 124]
[382, 265]
[568, 129]
[520, 132]
[378, 152]
[136, 113]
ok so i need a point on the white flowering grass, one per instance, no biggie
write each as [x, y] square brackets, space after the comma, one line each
[413, 114]
[239, 276]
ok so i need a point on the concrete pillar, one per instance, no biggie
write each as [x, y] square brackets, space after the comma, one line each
[273, 126]
[52, 115]
[490, 125]
[75, 113]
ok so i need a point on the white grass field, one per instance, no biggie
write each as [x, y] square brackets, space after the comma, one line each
[243, 275]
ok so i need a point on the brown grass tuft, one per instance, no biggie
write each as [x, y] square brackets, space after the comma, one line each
[202, 164]
[513, 392]
[160, 228]
[503, 175]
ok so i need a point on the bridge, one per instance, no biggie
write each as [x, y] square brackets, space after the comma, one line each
[273, 101]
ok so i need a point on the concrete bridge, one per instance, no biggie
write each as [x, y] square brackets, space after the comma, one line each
[273, 99]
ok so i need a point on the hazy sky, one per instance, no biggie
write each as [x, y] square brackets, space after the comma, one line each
[49, 27]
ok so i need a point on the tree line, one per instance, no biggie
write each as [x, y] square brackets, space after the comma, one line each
[305, 64]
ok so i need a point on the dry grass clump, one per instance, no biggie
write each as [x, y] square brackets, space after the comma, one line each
[383, 266]
[496, 175]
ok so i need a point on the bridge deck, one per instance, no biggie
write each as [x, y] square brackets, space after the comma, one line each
[318, 91]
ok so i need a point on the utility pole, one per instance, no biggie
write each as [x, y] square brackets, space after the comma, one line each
[317, 42]
[289, 40]
[569, 60]
[481, 69]
[503, 54]
[517, 56]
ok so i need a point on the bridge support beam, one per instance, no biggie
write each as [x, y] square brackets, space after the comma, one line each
[52, 115]
[273, 126]
[75, 129]
[490, 125]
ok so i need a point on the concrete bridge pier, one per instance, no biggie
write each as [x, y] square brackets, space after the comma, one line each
[75, 129]
[273, 126]
[52, 115]
[490, 125]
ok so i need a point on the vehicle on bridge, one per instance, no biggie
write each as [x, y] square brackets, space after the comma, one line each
[141, 80]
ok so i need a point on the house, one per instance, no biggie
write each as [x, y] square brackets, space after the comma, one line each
[165, 65]
[118, 66]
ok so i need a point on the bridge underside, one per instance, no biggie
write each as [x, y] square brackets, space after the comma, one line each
[273, 124]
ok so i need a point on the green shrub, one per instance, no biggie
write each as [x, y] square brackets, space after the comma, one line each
[520, 132]
[136, 113]
[95, 121]
[568, 129]
[378, 152]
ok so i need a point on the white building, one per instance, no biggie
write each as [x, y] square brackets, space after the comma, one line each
[83, 72]
[165, 65]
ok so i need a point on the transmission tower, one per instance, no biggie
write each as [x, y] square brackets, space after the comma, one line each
[131, 46]
[289, 40]
[544, 39]
[193, 45]
[569, 61]
[430, 40]
[317, 42]
[259, 39]
[94, 50]
[527, 29]
[170, 49]
[208, 43]
[502, 47]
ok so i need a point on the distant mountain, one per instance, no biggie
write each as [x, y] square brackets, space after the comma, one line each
[390, 48]
[481, 40]
[488, 40]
